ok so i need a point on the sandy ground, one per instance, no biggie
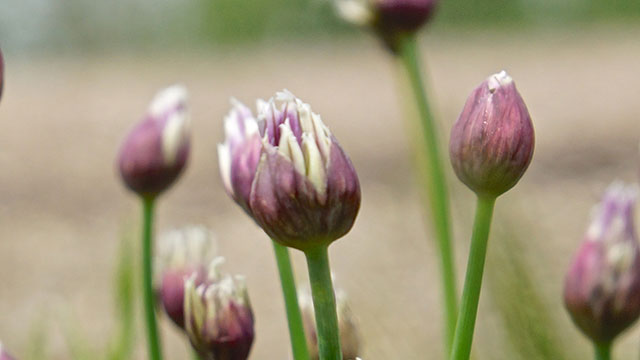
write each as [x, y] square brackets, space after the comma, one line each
[63, 209]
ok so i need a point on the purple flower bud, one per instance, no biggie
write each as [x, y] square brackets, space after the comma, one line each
[349, 334]
[219, 319]
[492, 142]
[239, 155]
[156, 151]
[4, 355]
[602, 288]
[1, 74]
[182, 253]
[303, 191]
[389, 18]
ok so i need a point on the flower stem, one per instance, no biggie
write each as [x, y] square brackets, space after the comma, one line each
[287, 280]
[153, 340]
[473, 280]
[603, 351]
[324, 303]
[433, 178]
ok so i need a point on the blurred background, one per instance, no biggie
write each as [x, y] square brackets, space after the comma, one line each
[80, 73]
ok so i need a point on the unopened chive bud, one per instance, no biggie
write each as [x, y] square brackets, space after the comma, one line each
[349, 334]
[4, 355]
[602, 287]
[390, 19]
[182, 253]
[302, 188]
[156, 151]
[492, 142]
[218, 317]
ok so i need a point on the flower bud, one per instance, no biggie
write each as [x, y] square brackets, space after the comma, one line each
[492, 142]
[602, 287]
[239, 155]
[303, 191]
[389, 18]
[182, 253]
[218, 317]
[349, 334]
[4, 355]
[155, 152]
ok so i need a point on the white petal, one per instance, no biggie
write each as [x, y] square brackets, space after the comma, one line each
[315, 170]
[168, 100]
[224, 161]
[174, 135]
[290, 148]
[358, 12]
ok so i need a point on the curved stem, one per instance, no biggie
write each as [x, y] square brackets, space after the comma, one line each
[324, 303]
[473, 280]
[153, 340]
[433, 178]
[287, 280]
[602, 351]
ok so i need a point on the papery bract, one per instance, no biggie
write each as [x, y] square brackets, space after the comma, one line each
[493, 140]
[602, 287]
[156, 150]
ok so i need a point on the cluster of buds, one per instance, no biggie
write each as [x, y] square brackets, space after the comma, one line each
[3, 354]
[156, 151]
[349, 335]
[286, 169]
[492, 142]
[183, 253]
[602, 288]
[218, 317]
[389, 18]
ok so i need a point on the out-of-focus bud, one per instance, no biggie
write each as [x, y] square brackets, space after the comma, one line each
[239, 155]
[602, 288]
[218, 317]
[306, 191]
[389, 18]
[156, 151]
[4, 355]
[349, 335]
[1, 74]
[492, 142]
[182, 253]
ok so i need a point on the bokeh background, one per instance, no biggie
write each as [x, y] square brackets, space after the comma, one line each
[79, 73]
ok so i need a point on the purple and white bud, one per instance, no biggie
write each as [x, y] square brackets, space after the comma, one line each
[4, 355]
[1, 74]
[602, 287]
[389, 18]
[492, 142]
[156, 151]
[349, 334]
[306, 191]
[287, 170]
[182, 253]
[239, 155]
[218, 317]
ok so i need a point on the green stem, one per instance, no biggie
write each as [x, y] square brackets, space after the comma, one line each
[153, 340]
[287, 280]
[433, 176]
[324, 303]
[473, 280]
[603, 351]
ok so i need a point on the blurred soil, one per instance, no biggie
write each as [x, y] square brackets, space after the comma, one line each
[63, 208]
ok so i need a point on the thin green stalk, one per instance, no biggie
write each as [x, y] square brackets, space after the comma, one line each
[473, 280]
[433, 177]
[603, 351]
[287, 280]
[324, 303]
[153, 340]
